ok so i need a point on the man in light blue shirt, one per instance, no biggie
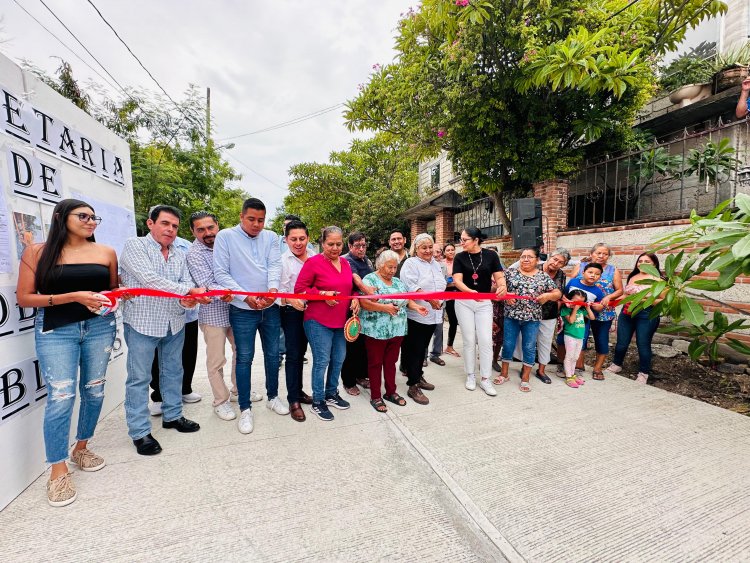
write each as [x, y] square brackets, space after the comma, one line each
[247, 258]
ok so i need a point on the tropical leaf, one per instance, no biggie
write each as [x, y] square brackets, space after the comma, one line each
[692, 312]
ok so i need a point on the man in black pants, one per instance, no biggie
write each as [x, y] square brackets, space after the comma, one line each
[354, 370]
[189, 355]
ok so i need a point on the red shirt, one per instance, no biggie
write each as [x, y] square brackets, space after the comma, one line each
[318, 274]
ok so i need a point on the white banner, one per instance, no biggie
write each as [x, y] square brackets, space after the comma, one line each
[32, 178]
[21, 389]
[14, 320]
[41, 131]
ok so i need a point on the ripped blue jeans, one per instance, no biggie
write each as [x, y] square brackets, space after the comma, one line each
[86, 344]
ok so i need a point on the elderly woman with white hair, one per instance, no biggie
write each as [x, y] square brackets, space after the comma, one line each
[421, 273]
[383, 329]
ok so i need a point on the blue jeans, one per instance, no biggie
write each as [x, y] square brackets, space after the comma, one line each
[61, 351]
[328, 347]
[294, 331]
[245, 324]
[141, 350]
[644, 329]
[528, 330]
[600, 331]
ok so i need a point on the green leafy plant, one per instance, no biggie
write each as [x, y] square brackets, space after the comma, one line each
[712, 163]
[693, 67]
[723, 237]
[731, 58]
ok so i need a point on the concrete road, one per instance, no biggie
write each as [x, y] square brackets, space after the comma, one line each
[609, 472]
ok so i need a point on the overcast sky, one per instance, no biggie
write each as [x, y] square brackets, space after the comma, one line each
[265, 62]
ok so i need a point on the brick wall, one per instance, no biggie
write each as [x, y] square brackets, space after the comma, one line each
[417, 226]
[554, 196]
[444, 226]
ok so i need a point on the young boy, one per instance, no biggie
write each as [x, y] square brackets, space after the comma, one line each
[586, 283]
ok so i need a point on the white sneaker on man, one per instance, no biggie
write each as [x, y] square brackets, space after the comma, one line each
[278, 406]
[486, 386]
[471, 382]
[254, 397]
[192, 397]
[225, 411]
[245, 423]
[154, 409]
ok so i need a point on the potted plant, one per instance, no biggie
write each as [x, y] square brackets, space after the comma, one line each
[731, 68]
[692, 67]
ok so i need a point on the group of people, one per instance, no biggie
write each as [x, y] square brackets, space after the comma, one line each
[64, 279]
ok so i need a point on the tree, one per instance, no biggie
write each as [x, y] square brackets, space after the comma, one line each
[365, 188]
[514, 89]
[723, 237]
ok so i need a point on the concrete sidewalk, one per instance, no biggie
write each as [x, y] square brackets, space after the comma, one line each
[609, 472]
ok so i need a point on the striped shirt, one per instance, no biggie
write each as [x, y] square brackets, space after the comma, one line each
[200, 260]
[183, 245]
[143, 265]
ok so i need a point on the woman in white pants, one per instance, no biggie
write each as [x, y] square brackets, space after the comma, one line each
[553, 267]
[474, 269]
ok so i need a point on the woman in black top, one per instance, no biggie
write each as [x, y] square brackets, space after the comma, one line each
[62, 280]
[474, 270]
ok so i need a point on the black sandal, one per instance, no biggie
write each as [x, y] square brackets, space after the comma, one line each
[396, 399]
[379, 405]
[543, 377]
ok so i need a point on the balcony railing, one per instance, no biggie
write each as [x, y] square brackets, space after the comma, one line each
[663, 181]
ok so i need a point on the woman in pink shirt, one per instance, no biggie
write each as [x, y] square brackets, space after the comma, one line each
[327, 274]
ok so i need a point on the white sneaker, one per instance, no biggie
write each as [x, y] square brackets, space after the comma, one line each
[486, 386]
[192, 397]
[614, 368]
[245, 423]
[154, 409]
[471, 382]
[225, 411]
[642, 378]
[278, 406]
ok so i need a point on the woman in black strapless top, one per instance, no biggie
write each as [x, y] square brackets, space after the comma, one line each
[61, 279]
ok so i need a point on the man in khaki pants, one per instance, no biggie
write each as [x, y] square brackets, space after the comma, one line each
[213, 319]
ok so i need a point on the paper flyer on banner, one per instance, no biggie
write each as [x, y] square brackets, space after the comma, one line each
[6, 263]
[117, 226]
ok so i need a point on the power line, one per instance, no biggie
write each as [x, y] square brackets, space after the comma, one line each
[292, 121]
[251, 169]
[82, 45]
[99, 74]
[621, 10]
[179, 108]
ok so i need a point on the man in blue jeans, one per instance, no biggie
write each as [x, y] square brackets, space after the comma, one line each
[153, 323]
[247, 258]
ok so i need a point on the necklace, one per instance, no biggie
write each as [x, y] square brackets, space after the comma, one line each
[475, 276]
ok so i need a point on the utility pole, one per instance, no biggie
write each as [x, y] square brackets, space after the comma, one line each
[208, 136]
[208, 114]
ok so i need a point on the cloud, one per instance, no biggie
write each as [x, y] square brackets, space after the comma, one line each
[265, 62]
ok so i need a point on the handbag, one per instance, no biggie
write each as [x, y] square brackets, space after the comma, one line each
[352, 328]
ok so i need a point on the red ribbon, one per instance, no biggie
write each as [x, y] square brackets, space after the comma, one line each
[422, 296]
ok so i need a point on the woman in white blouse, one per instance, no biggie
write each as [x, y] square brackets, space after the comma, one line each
[421, 273]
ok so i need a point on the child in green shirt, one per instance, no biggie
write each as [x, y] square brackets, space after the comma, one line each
[574, 317]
